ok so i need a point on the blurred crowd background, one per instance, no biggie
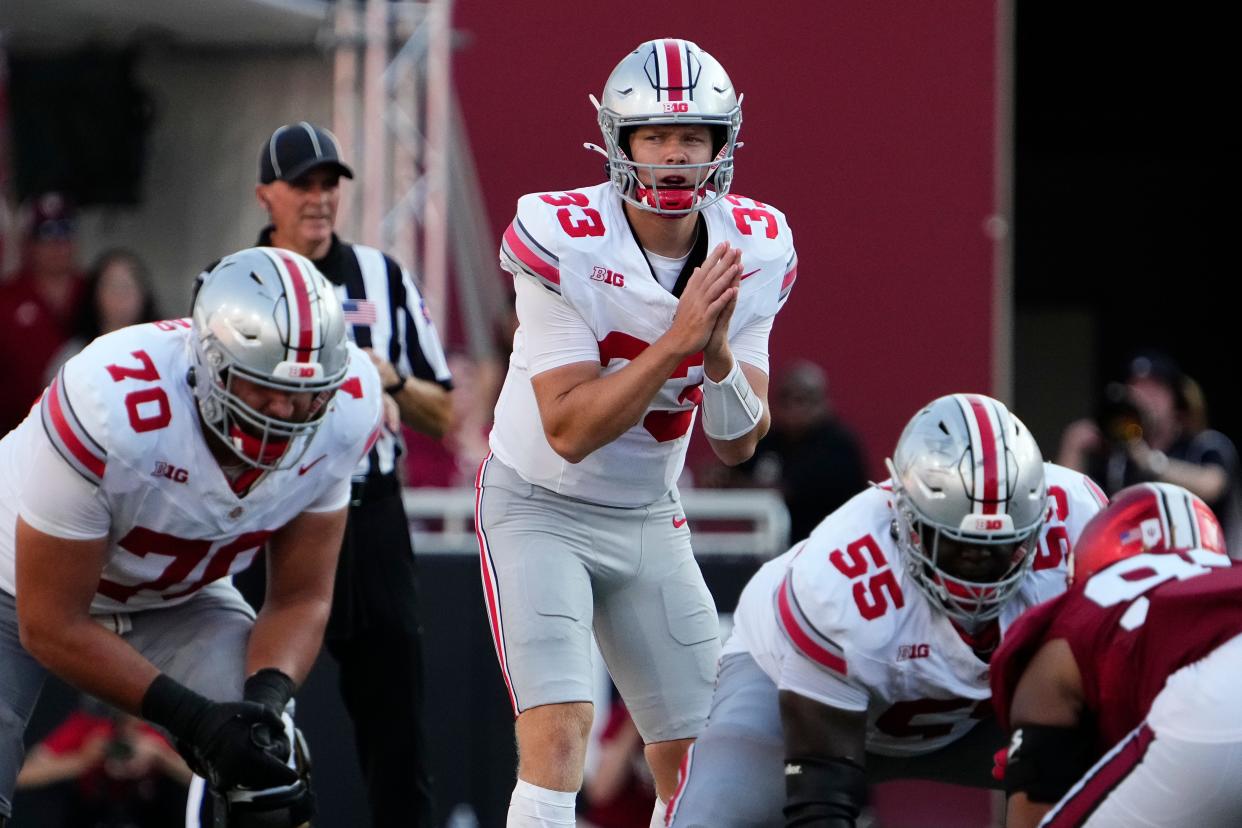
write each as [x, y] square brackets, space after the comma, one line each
[1031, 200]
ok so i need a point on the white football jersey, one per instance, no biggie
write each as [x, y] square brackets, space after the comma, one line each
[839, 619]
[123, 416]
[579, 247]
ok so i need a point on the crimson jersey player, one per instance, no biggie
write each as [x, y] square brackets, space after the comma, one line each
[1121, 693]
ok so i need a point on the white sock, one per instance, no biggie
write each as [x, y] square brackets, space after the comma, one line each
[534, 807]
[657, 814]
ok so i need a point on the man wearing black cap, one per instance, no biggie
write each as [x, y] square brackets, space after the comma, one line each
[373, 631]
[1168, 442]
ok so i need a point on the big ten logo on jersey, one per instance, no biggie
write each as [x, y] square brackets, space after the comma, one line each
[576, 215]
[750, 215]
[172, 324]
[681, 392]
[905, 652]
[875, 584]
[147, 407]
[608, 277]
[1054, 542]
[168, 470]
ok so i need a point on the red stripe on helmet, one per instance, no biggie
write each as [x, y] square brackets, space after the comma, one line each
[676, 72]
[301, 295]
[987, 438]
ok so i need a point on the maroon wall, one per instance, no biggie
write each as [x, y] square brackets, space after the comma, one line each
[870, 124]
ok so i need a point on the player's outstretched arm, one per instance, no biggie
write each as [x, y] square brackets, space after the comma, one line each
[1049, 750]
[301, 566]
[56, 581]
[824, 754]
[583, 411]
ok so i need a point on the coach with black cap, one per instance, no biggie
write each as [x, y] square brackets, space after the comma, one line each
[373, 631]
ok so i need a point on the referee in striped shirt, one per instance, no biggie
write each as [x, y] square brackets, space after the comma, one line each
[373, 631]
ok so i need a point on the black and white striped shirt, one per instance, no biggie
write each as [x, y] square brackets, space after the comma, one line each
[386, 312]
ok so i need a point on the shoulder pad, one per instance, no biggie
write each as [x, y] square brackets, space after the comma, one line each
[767, 227]
[532, 242]
[114, 389]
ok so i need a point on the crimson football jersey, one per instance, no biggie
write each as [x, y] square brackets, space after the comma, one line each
[1130, 626]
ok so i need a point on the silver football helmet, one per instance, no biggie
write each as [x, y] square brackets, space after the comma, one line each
[669, 81]
[270, 317]
[969, 502]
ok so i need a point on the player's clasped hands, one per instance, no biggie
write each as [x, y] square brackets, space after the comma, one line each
[711, 290]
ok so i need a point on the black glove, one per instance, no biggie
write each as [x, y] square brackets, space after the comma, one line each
[270, 688]
[230, 744]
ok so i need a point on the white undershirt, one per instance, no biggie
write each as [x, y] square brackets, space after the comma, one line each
[666, 270]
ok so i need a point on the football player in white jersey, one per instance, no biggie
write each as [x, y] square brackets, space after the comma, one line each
[640, 301]
[161, 459]
[861, 654]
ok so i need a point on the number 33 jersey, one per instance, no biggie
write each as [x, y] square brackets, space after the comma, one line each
[839, 619]
[115, 447]
[578, 249]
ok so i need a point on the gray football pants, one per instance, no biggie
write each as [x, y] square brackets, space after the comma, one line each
[734, 775]
[200, 643]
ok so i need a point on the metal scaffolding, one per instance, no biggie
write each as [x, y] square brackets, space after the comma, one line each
[417, 195]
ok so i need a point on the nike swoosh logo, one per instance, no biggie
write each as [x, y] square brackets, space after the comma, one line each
[304, 469]
[752, 273]
[677, 524]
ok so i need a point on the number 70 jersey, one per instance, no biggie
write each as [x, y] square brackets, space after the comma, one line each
[122, 415]
[579, 248]
[840, 620]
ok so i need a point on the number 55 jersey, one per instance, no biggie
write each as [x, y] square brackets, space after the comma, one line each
[115, 447]
[586, 292]
[839, 619]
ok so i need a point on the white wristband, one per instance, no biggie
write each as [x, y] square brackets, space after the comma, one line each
[730, 407]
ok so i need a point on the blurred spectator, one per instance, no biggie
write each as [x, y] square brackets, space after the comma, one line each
[808, 454]
[38, 306]
[619, 791]
[125, 773]
[1155, 429]
[117, 294]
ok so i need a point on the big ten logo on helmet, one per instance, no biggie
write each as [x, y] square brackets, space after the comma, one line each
[676, 106]
[608, 277]
[173, 473]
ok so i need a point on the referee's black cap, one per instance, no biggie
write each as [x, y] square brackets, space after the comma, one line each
[295, 149]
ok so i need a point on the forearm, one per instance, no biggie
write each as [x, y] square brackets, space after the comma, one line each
[42, 767]
[739, 450]
[93, 659]
[1208, 482]
[724, 408]
[425, 406]
[1023, 813]
[596, 412]
[287, 635]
